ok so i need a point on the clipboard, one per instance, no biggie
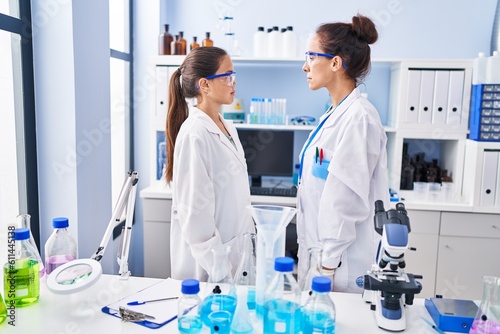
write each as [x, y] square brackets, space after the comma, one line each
[163, 312]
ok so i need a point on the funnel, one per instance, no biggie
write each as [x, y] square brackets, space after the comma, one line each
[271, 222]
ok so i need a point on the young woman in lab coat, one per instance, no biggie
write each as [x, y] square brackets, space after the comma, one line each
[206, 166]
[344, 160]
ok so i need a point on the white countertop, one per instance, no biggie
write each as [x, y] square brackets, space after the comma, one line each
[81, 312]
[160, 190]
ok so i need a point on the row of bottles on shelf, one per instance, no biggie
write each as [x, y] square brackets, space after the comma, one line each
[25, 267]
[229, 305]
[170, 45]
[486, 70]
[275, 43]
[416, 169]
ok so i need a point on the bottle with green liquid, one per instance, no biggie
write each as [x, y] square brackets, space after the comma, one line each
[3, 310]
[22, 271]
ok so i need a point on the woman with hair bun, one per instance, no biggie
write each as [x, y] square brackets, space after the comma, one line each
[206, 165]
[344, 160]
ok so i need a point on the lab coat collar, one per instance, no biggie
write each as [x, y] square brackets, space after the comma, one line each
[339, 111]
[213, 128]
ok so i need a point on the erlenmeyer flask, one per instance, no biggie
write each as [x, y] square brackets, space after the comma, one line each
[245, 276]
[242, 322]
[314, 268]
[487, 319]
[24, 221]
[220, 294]
[271, 222]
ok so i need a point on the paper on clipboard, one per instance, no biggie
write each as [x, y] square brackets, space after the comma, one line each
[162, 311]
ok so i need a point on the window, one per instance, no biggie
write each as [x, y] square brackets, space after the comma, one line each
[18, 175]
[120, 97]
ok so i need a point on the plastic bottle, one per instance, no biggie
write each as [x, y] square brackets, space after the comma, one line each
[260, 43]
[318, 313]
[60, 247]
[274, 43]
[24, 221]
[207, 41]
[195, 44]
[282, 300]
[189, 320]
[183, 46]
[479, 69]
[22, 272]
[289, 43]
[164, 41]
[493, 68]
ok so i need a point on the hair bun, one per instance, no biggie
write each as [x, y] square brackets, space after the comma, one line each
[364, 28]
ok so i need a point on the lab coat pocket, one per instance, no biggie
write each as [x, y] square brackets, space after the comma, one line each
[320, 169]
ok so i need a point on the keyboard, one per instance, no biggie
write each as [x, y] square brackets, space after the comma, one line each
[272, 191]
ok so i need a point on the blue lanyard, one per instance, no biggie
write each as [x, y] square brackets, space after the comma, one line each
[320, 125]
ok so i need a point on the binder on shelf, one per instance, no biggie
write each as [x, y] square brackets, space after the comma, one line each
[412, 96]
[440, 100]
[455, 96]
[489, 178]
[497, 190]
[426, 96]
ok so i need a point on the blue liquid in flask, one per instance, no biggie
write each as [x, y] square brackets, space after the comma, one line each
[215, 303]
[281, 316]
[189, 324]
[318, 322]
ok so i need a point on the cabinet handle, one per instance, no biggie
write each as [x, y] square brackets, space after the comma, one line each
[493, 226]
[447, 246]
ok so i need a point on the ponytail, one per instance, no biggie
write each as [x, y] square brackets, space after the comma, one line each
[177, 114]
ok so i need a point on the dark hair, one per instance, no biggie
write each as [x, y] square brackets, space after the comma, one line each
[350, 41]
[199, 63]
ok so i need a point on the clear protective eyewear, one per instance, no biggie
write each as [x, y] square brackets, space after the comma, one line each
[311, 56]
[229, 77]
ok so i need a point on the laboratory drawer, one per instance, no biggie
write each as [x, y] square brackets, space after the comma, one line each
[480, 225]
[157, 209]
[424, 222]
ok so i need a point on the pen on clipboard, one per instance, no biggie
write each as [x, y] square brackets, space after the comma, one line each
[138, 302]
[436, 328]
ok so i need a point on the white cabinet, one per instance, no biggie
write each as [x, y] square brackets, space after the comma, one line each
[424, 237]
[468, 250]
[157, 237]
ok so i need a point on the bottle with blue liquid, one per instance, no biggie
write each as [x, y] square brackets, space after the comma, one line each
[318, 313]
[282, 313]
[188, 319]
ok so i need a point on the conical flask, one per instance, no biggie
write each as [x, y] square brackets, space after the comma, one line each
[242, 322]
[24, 221]
[246, 274]
[219, 294]
[314, 268]
[271, 222]
[487, 319]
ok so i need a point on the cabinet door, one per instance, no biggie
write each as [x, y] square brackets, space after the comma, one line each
[424, 237]
[462, 263]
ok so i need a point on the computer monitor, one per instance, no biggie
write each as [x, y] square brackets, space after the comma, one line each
[267, 152]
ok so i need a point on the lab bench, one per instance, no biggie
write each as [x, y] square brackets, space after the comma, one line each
[455, 245]
[81, 312]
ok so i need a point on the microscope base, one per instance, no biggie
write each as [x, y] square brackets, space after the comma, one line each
[389, 320]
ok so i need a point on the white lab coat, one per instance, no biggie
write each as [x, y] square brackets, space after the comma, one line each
[210, 192]
[335, 200]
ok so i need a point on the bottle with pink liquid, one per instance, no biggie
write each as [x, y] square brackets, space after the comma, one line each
[61, 247]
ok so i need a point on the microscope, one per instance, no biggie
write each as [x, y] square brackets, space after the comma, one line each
[386, 284]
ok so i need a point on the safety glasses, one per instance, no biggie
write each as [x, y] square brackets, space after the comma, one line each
[311, 56]
[228, 77]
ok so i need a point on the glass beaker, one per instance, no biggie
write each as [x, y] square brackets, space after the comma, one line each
[271, 222]
[314, 268]
[24, 221]
[220, 293]
[220, 322]
[246, 274]
[487, 319]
